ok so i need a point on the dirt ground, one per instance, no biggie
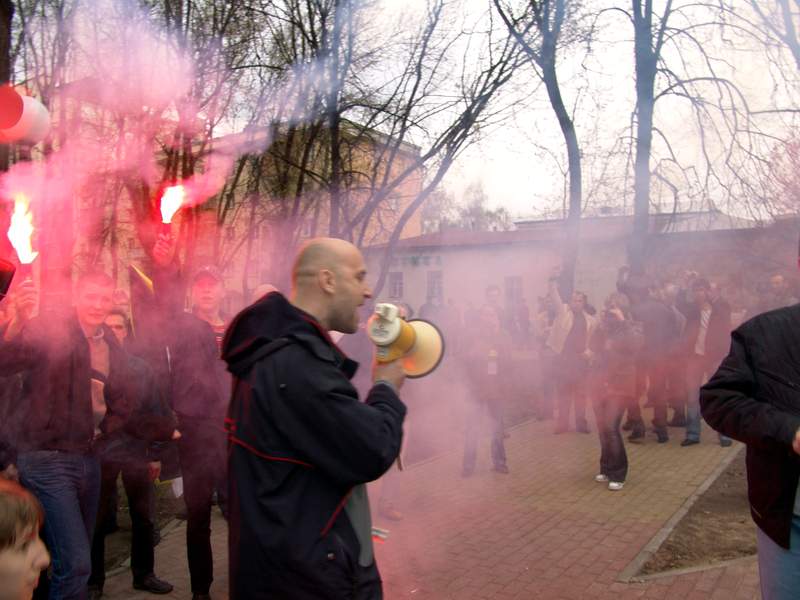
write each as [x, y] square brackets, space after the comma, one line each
[717, 528]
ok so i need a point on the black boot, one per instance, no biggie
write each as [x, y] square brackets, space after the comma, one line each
[637, 431]
[151, 583]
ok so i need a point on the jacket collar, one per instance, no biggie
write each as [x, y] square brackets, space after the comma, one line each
[320, 343]
[274, 317]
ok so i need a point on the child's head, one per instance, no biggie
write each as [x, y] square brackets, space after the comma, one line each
[22, 553]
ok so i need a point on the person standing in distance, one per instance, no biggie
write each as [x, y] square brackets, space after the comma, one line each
[302, 445]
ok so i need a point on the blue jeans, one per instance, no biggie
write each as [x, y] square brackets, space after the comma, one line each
[697, 373]
[68, 486]
[778, 568]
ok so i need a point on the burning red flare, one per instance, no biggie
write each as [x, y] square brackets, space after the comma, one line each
[171, 201]
[21, 230]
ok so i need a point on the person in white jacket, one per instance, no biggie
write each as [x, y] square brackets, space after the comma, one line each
[568, 340]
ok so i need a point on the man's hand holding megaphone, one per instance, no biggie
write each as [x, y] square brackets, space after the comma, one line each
[391, 373]
[417, 345]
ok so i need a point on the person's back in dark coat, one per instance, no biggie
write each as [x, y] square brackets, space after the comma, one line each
[754, 397]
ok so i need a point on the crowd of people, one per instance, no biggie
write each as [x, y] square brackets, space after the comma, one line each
[86, 399]
[652, 343]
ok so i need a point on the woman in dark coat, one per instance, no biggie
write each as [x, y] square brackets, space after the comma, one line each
[613, 345]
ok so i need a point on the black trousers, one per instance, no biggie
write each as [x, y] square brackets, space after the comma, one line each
[613, 459]
[202, 451]
[140, 492]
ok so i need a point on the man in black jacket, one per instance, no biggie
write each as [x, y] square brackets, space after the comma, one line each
[301, 444]
[198, 390]
[138, 462]
[660, 333]
[754, 397]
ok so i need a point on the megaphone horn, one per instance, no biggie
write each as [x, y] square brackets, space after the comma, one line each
[418, 343]
[24, 119]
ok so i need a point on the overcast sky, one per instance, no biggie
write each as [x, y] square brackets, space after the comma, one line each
[520, 163]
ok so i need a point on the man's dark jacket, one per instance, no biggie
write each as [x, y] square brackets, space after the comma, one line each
[300, 442]
[151, 421]
[719, 328]
[754, 397]
[659, 327]
[56, 402]
[199, 385]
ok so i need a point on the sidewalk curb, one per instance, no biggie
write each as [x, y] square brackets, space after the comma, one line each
[697, 569]
[630, 574]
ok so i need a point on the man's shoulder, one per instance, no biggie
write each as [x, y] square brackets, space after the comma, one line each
[287, 350]
[784, 320]
[290, 361]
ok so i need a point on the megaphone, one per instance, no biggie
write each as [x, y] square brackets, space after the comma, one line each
[417, 343]
[25, 119]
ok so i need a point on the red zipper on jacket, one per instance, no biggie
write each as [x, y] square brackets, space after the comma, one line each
[249, 448]
[335, 514]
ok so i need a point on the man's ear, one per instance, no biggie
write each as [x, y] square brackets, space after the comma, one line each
[327, 281]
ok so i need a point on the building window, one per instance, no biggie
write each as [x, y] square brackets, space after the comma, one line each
[435, 285]
[513, 290]
[395, 285]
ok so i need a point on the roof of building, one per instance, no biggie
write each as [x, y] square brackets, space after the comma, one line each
[597, 228]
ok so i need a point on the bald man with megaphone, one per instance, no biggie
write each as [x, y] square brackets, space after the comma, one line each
[302, 445]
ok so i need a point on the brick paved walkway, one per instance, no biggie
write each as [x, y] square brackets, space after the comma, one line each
[545, 531]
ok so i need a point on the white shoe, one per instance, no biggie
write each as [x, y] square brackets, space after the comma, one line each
[600, 478]
[615, 486]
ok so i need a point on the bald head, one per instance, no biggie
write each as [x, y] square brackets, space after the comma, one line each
[322, 254]
[329, 282]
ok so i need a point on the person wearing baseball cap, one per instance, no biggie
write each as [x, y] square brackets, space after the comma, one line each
[199, 387]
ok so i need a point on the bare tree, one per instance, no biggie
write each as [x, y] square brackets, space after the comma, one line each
[472, 213]
[675, 58]
[347, 180]
[540, 31]
[778, 18]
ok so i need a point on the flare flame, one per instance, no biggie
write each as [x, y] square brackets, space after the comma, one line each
[21, 230]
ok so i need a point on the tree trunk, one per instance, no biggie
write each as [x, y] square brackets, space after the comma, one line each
[646, 62]
[573, 221]
[6, 17]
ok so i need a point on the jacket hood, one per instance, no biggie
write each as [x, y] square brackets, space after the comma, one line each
[272, 318]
